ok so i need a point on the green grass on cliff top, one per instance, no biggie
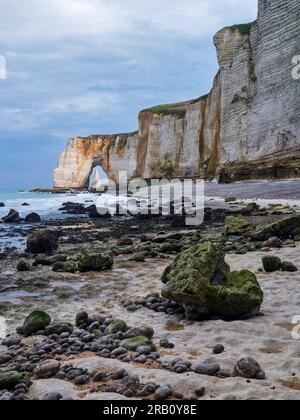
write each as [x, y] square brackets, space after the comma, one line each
[243, 28]
[177, 110]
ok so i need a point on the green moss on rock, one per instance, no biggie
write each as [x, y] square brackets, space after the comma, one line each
[36, 321]
[94, 262]
[133, 343]
[8, 380]
[201, 281]
[283, 229]
[70, 267]
[117, 326]
[237, 226]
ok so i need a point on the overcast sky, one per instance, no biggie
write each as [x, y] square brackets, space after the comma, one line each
[80, 67]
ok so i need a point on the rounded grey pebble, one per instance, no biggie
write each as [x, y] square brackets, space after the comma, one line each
[129, 393]
[52, 396]
[260, 376]
[163, 393]
[99, 377]
[207, 369]
[119, 351]
[144, 350]
[141, 359]
[119, 375]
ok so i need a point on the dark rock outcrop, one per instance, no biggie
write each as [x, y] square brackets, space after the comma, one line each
[43, 241]
[12, 217]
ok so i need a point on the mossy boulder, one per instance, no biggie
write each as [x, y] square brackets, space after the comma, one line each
[132, 344]
[201, 281]
[94, 262]
[23, 265]
[117, 326]
[283, 229]
[140, 331]
[237, 226]
[58, 266]
[70, 267]
[8, 380]
[271, 263]
[36, 321]
[139, 257]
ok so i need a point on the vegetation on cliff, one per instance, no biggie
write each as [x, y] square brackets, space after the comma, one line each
[243, 28]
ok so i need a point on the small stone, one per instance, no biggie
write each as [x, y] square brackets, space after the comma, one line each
[141, 359]
[148, 389]
[209, 369]
[59, 328]
[144, 350]
[288, 267]
[129, 393]
[274, 242]
[23, 265]
[81, 380]
[119, 351]
[99, 377]
[52, 396]
[47, 369]
[247, 367]
[218, 349]
[164, 343]
[200, 391]
[117, 376]
[260, 376]
[163, 393]
[11, 341]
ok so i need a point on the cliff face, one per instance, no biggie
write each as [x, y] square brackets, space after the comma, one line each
[247, 127]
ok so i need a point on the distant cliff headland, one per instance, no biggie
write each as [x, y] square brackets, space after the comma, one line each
[247, 127]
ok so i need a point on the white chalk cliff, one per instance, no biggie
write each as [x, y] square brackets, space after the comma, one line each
[248, 126]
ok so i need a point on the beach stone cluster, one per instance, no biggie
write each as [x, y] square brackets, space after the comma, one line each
[156, 303]
[107, 338]
[272, 263]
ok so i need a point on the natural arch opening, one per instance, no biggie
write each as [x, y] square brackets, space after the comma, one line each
[97, 177]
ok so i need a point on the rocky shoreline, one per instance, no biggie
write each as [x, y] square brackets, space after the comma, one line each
[96, 279]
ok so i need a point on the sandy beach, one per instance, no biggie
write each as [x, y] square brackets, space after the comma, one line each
[267, 338]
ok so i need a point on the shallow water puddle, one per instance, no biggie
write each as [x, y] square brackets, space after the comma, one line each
[73, 285]
[174, 326]
[14, 296]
